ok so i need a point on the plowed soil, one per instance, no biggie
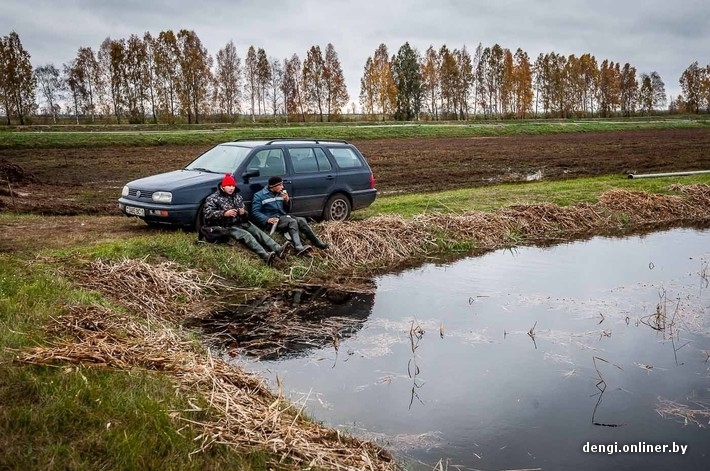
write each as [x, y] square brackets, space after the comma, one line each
[88, 181]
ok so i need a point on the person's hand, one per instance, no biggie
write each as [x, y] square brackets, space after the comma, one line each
[242, 211]
[230, 213]
[284, 194]
[272, 220]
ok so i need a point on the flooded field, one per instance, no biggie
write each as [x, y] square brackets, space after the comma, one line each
[518, 359]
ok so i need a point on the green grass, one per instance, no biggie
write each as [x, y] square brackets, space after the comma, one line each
[155, 135]
[563, 193]
[76, 417]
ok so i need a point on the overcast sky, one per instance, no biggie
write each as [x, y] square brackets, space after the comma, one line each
[651, 35]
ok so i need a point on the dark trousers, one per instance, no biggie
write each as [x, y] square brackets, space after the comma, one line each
[255, 239]
[292, 226]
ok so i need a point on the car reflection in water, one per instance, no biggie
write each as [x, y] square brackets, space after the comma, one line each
[291, 324]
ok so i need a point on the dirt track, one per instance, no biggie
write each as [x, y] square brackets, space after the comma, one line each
[88, 181]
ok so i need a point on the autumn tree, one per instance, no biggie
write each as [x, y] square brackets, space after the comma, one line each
[263, 79]
[17, 81]
[276, 77]
[507, 97]
[691, 83]
[589, 82]
[228, 81]
[195, 74]
[522, 84]
[335, 89]
[111, 57]
[291, 87]
[50, 86]
[385, 90]
[609, 88]
[628, 90]
[466, 80]
[91, 85]
[72, 77]
[167, 74]
[449, 77]
[251, 73]
[314, 81]
[136, 83]
[151, 78]
[408, 81]
[368, 88]
[431, 86]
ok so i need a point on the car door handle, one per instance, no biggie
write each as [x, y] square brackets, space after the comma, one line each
[330, 177]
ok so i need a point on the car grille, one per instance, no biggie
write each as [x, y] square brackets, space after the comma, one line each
[140, 194]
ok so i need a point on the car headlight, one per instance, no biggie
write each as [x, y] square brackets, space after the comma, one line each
[163, 197]
[124, 192]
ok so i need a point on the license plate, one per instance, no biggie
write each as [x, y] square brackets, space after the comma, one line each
[135, 211]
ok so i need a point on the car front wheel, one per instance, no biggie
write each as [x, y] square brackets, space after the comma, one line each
[337, 208]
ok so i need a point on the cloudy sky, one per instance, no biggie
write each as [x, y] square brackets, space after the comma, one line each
[651, 35]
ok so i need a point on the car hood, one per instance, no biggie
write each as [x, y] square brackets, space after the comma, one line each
[175, 180]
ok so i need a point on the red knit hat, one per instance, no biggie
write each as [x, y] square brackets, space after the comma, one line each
[228, 180]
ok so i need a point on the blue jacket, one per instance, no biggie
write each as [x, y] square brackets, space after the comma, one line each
[266, 204]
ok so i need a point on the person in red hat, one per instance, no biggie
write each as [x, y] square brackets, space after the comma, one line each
[225, 208]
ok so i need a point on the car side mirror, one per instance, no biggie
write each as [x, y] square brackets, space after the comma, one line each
[251, 172]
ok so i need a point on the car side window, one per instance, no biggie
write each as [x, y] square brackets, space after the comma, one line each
[309, 160]
[345, 157]
[269, 162]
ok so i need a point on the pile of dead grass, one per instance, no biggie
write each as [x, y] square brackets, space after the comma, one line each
[163, 291]
[388, 241]
[244, 414]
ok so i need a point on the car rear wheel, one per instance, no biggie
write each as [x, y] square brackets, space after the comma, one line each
[337, 208]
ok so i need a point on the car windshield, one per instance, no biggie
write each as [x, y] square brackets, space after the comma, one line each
[220, 159]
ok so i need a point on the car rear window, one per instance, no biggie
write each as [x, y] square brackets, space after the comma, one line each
[345, 157]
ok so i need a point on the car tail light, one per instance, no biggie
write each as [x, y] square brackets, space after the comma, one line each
[372, 181]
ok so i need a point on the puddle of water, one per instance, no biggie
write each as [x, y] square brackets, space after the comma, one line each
[517, 359]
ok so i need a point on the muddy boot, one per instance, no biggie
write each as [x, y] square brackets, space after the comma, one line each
[306, 229]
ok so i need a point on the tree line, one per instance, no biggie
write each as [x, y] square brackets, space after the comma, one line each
[172, 78]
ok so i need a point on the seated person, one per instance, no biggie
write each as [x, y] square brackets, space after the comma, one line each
[225, 207]
[271, 206]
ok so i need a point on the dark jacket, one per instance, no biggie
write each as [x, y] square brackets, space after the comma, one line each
[219, 202]
[265, 204]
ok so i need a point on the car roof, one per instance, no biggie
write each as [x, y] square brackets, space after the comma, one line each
[267, 142]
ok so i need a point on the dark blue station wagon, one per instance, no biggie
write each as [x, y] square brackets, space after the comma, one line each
[326, 180]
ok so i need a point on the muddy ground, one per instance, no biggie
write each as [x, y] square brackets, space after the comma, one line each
[88, 181]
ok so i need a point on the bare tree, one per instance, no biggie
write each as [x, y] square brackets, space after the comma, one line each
[275, 84]
[50, 86]
[291, 87]
[228, 81]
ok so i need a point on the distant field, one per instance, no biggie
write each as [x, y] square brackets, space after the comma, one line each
[68, 136]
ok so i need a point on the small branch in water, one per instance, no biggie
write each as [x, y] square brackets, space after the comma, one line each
[531, 334]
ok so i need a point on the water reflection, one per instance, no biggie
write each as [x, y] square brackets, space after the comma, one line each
[516, 359]
[292, 324]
